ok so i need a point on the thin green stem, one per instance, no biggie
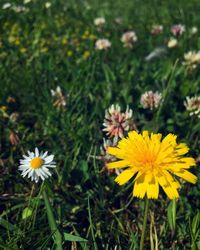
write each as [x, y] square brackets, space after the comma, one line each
[144, 224]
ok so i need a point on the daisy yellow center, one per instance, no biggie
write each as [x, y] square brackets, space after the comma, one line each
[36, 163]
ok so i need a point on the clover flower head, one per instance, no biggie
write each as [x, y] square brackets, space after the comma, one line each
[102, 44]
[151, 100]
[156, 29]
[193, 30]
[192, 57]
[6, 6]
[99, 21]
[36, 165]
[128, 39]
[47, 5]
[117, 122]
[60, 101]
[192, 105]
[178, 29]
[107, 158]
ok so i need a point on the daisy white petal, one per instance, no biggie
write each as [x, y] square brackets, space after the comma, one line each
[36, 165]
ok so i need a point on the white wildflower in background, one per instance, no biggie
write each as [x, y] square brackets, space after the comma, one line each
[99, 21]
[128, 39]
[192, 105]
[107, 158]
[36, 165]
[118, 20]
[156, 29]
[178, 29]
[151, 100]
[20, 8]
[102, 44]
[103, 150]
[117, 122]
[6, 6]
[47, 5]
[192, 58]
[193, 30]
[172, 42]
[27, 1]
[60, 100]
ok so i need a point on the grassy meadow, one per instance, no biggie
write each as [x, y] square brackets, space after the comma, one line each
[48, 44]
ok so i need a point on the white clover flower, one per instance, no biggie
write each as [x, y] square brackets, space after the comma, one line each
[36, 165]
[192, 57]
[27, 1]
[47, 5]
[128, 39]
[156, 29]
[178, 29]
[20, 8]
[6, 6]
[192, 105]
[102, 44]
[150, 99]
[107, 158]
[99, 21]
[60, 100]
[193, 30]
[103, 150]
[172, 42]
[117, 122]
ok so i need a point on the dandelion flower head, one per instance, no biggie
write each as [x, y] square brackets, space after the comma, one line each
[153, 162]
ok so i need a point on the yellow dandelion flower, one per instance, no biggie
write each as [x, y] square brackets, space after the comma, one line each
[154, 162]
[69, 53]
[23, 50]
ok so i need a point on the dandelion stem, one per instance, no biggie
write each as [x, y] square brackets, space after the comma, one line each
[144, 224]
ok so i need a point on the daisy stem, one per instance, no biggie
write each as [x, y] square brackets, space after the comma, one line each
[144, 224]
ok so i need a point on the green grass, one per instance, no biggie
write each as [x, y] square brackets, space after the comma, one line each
[43, 48]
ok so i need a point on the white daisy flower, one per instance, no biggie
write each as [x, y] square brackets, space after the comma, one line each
[36, 165]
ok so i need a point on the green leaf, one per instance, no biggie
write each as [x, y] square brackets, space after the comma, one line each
[52, 222]
[70, 237]
[171, 214]
[9, 226]
[27, 212]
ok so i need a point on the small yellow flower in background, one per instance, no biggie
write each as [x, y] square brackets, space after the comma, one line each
[154, 162]
[36, 165]
[69, 53]
[23, 50]
[44, 50]
[86, 55]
